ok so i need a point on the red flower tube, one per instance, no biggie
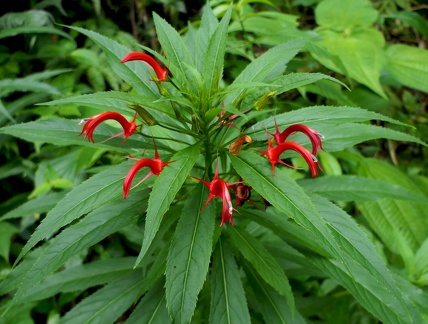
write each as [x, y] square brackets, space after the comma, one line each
[219, 188]
[273, 154]
[138, 56]
[91, 123]
[315, 137]
[155, 165]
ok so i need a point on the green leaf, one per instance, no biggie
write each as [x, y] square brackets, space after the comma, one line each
[152, 307]
[7, 230]
[189, 257]
[315, 117]
[269, 65]
[90, 230]
[109, 302]
[9, 32]
[265, 264]
[114, 101]
[209, 24]
[286, 83]
[228, 302]
[81, 277]
[92, 193]
[387, 215]
[421, 259]
[412, 19]
[360, 256]
[175, 51]
[65, 132]
[407, 64]
[165, 188]
[271, 304]
[134, 73]
[8, 86]
[284, 194]
[39, 205]
[214, 58]
[340, 15]
[354, 188]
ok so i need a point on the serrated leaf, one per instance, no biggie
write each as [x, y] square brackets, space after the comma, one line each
[109, 302]
[387, 215]
[213, 62]
[175, 51]
[284, 194]
[189, 257]
[65, 132]
[316, 117]
[81, 277]
[41, 204]
[134, 73]
[90, 230]
[360, 256]
[165, 188]
[92, 193]
[228, 302]
[286, 83]
[209, 24]
[354, 188]
[152, 307]
[265, 264]
[272, 305]
[269, 65]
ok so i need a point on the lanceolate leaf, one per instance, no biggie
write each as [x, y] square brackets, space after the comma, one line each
[24, 85]
[283, 193]
[164, 190]
[175, 51]
[228, 302]
[65, 132]
[90, 230]
[134, 73]
[271, 64]
[39, 205]
[361, 256]
[92, 193]
[265, 264]
[109, 302]
[272, 305]
[189, 257]
[213, 62]
[317, 116]
[354, 188]
[81, 277]
[152, 307]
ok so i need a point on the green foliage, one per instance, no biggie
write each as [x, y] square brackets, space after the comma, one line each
[350, 244]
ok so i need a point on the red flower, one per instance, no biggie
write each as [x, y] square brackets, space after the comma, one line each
[313, 135]
[91, 123]
[156, 166]
[133, 56]
[219, 188]
[273, 154]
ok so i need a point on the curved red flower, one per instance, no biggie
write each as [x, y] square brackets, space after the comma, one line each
[219, 188]
[273, 154]
[315, 137]
[156, 166]
[91, 123]
[138, 56]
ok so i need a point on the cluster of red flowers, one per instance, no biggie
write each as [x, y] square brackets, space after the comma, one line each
[217, 187]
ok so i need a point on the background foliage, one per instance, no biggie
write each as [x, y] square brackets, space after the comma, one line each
[377, 175]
